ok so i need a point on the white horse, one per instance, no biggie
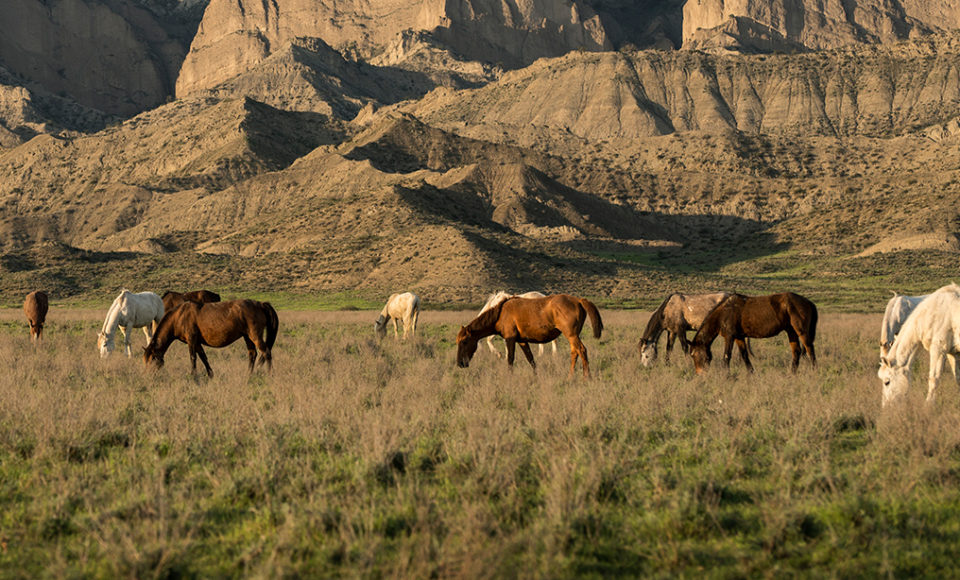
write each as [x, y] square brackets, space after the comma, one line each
[500, 296]
[404, 307]
[898, 309]
[130, 311]
[934, 324]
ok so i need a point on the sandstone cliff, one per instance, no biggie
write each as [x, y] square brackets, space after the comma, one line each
[236, 35]
[110, 55]
[810, 24]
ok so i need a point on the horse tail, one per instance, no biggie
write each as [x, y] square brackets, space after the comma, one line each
[273, 323]
[595, 321]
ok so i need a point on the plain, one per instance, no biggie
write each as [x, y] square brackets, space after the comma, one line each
[363, 458]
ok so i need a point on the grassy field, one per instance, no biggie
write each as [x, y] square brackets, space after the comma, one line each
[357, 458]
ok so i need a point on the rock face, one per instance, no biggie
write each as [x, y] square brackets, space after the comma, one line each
[788, 25]
[872, 91]
[236, 35]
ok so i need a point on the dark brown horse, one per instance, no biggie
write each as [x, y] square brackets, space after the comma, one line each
[173, 299]
[536, 320]
[740, 317]
[35, 307]
[217, 324]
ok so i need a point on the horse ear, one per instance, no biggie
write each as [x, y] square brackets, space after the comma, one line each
[465, 330]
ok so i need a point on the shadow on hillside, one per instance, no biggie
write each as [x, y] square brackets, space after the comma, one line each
[701, 243]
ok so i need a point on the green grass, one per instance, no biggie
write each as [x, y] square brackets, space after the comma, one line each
[361, 458]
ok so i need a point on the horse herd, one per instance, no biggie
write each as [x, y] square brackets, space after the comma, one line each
[200, 319]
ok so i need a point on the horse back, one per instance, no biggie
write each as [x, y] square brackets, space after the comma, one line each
[221, 323]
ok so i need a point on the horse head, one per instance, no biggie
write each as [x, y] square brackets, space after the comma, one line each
[104, 344]
[701, 355]
[152, 355]
[466, 347]
[648, 351]
[895, 379]
[380, 326]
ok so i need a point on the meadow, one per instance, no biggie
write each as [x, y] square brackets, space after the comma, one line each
[362, 458]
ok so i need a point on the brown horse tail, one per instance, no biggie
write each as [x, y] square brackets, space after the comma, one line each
[594, 315]
[273, 324]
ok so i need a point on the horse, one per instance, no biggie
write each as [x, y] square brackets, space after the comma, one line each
[934, 324]
[677, 314]
[404, 307]
[216, 324]
[500, 296]
[173, 299]
[739, 317]
[129, 311]
[536, 320]
[898, 309]
[35, 308]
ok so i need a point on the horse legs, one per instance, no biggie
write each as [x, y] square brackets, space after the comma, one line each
[529, 354]
[671, 337]
[203, 358]
[127, 331]
[952, 358]
[553, 344]
[795, 349]
[727, 351]
[396, 331]
[808, 345]
[936, 369]
[511, 350]
[492, 348]
[684, 343]
[744, 353]
[578, 349]
[251, 352]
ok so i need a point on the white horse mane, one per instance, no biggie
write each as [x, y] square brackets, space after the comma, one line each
[895, 315]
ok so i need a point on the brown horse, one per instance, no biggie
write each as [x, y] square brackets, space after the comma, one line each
[173, 299]
[536, 320]
[740, 317]
[217, 324]
[35, 307]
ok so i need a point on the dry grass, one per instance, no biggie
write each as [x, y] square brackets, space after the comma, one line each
[361, 458]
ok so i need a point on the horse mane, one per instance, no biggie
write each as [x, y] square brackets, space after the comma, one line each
[487, 319]
[655, 324]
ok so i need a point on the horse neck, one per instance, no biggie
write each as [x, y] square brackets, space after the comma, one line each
[486, 323]
[113, 319]
[385, 313]
[709, 329]
[164, 336]
[654, 327]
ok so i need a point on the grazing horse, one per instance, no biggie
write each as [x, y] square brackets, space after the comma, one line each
[35, 307]
[173, 299]
[933, 324]
[404, 307]
[739, 317]
[536, 320]
[216, 324]
[499, 297]
[130, 311]
[898, 309]
[677, 314]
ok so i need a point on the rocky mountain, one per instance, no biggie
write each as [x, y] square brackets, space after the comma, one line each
[453, 147]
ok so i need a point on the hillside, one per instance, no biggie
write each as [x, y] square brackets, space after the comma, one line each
[403, 161]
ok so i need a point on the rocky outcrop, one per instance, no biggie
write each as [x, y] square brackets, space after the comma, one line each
[113, 56]
[873, 91]
[786, 25]
[236, 35]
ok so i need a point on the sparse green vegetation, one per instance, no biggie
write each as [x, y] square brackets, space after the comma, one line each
[361, 458]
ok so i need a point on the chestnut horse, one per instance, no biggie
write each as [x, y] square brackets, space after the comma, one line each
[35, 307]
[739, 317]
[173, 299]
[532, 320]
[217, 324]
